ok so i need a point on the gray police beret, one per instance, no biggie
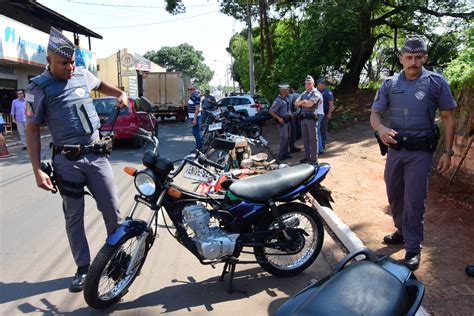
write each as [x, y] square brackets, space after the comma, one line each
[322, 80]
[60, 44]
[414, 44]
[284, 86]
[309, 78]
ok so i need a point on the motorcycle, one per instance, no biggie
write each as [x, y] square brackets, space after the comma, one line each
[371, 286]
[265, 213]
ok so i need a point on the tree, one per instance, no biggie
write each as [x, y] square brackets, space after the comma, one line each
[183, 58]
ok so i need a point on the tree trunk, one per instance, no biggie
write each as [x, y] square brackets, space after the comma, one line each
[359, 57]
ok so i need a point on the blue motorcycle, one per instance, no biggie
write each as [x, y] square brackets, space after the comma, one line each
[266, 213]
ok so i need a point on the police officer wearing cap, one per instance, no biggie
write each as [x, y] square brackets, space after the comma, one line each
[60, 97]
[309, 102]
[281, 111]
[408, 101]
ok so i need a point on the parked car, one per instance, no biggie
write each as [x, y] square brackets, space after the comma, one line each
[248, 105]
[138, 114]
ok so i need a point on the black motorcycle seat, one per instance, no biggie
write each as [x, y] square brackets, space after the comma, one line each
[272, 184]
[363, 288]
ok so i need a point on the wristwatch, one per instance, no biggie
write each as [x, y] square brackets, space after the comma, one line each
[448, 152]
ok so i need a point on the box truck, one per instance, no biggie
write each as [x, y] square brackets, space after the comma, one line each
[167, 92]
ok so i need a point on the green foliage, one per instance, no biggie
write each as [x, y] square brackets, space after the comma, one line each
[183, 58]
[460, 71]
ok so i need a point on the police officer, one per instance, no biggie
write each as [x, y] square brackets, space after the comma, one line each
[328, 105]
[309, 101]
[281, 111]
[295, 120]
[194, 115]
[60, 97]
[208, 104]
[409, 101]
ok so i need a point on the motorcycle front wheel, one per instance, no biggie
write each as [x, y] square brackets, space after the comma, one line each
[107, 280]
[302, 249]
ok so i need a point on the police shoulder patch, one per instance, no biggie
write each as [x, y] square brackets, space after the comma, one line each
[30, 97]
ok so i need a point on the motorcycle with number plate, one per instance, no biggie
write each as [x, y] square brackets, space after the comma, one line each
[265, 215]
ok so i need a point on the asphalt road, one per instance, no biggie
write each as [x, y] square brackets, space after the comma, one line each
[36, 265]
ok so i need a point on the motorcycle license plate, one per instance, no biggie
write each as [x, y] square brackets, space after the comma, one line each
[215, 126]
[195, 173]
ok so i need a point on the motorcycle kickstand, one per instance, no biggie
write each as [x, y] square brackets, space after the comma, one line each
[229, 267]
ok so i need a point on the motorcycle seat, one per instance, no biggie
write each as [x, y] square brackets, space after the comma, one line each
[272, 184]
[362, 288]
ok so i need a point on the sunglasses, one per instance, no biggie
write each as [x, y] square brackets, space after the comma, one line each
[191, 89]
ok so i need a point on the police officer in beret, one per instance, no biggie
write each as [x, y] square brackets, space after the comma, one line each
[309, 102]
[408, 102]
[60, 97]
[281, 111]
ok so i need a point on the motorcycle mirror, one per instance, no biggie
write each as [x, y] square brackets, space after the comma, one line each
[145, 104]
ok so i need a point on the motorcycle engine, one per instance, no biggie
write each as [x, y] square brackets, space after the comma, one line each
[211, 241]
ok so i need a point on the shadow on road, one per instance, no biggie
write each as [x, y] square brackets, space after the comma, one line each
[14, 291]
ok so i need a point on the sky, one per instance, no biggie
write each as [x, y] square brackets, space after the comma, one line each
[144, 25]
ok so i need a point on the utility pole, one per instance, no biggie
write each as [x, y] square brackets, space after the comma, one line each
[250, 43]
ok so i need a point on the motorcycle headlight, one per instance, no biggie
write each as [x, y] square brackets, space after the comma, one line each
[145, 183]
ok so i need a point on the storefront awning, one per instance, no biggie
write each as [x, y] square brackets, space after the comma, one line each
[38, 16]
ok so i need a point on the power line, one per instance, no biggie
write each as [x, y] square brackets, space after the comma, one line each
[134, 6]
[154, 23]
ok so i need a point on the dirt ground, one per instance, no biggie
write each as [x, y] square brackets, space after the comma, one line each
[356, 180]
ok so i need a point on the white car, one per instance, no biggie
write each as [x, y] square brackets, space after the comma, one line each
[246, 104]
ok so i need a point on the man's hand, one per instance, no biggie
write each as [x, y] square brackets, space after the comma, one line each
[122, 101]
[281, 121]
[387, 135]
[195, 121]
[43, 181]
[329, 115]
[444, 163]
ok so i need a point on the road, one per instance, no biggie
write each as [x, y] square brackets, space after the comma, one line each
[36, 265]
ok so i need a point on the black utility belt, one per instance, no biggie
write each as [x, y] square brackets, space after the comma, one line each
[425, 143]
[74, 152]
[309, 116]
[286, 118]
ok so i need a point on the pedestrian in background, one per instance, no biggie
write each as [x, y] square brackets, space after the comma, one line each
[18, 115]
[308, 102]
[409, 100]
[194, 115]
[281, 111]
[295, 120]
[328, 103]
[60, 96]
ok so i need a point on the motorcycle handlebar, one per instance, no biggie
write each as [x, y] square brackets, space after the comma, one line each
[203, 160]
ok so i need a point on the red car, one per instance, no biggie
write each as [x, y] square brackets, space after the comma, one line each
[129, 119]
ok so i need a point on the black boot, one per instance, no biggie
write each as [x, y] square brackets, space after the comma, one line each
[79, 279]
[412, 260]
[393, 239]
[470, 270]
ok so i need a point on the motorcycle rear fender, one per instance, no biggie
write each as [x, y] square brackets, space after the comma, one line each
[128, 228]
[320, 173]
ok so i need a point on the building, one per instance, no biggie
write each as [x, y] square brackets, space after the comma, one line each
[24, 33]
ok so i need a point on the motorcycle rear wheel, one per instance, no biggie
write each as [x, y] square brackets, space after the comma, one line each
[106, 280]
[286, 262]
